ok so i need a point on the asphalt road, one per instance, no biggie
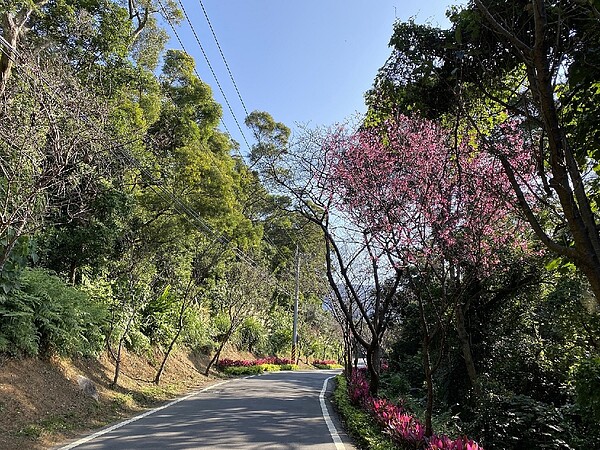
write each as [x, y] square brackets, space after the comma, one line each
[278, 410]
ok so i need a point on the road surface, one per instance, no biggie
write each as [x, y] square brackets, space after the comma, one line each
[277, 410]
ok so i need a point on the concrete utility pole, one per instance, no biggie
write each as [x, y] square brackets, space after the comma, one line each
[296, 295]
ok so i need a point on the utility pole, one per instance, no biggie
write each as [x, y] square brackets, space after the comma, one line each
[296, 295]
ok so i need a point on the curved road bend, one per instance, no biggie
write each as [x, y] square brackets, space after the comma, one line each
[277, 410]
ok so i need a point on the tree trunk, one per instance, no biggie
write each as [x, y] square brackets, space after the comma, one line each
[373, 365]
[180, 324]
[463, 337]
[215, 358]
[426, 341]
[167, 353]
[13, 25]
[429, 385]
[117, 357]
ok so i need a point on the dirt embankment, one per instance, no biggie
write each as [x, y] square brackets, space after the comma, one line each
[42, 403]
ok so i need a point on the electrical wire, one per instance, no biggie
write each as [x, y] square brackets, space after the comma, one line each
[223, 57]
[208, 63]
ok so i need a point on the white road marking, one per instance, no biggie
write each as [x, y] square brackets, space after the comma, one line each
[339, 445]
[133, 419]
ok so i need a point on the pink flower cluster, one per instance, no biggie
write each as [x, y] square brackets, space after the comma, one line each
[324, 362]
[226, 362]
[402, 427]
[423, 195]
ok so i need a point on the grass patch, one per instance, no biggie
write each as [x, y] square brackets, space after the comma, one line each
[358, 423]
[121, 401]
[151, 395]
[32, 431]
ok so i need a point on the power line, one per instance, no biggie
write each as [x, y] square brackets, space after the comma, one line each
[223, 56]
[207, 62]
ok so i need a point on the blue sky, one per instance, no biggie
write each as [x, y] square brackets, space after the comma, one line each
[303, 61]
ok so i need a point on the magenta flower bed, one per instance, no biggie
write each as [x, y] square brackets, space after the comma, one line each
[226, 362]
[324, 362]
[403, 428]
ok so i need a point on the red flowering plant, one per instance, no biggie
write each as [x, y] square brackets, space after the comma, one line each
[324, 362]
[358, 387]
[226, 362]
[272, 360]
[398, 423]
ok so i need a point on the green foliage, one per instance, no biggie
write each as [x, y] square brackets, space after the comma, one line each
[247, 370]
[279, 323]
[137, 342]
[505, 420]
[196, 335]
[220, 325]
[87, 242]
[587, 387]
[251, 335]
[46, 316]
[157, 318]
[105, 178]
[359, 423]
[17, 258]
[272, 137]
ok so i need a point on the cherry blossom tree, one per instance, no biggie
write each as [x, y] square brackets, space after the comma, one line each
[439, 208]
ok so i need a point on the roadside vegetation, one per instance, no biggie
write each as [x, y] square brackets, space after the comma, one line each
[449, 237]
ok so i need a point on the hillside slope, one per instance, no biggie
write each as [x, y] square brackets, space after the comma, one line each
[41, 403]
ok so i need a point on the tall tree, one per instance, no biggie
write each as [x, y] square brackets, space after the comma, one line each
[355, 265]
[442, 213]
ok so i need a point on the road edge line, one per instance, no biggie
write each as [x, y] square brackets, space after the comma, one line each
[339, 445]
[135, 418]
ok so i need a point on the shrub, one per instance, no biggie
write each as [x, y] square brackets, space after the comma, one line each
[404, 429]
[243, 370]
[251, 335]
[46, 316]
[587, 386]
[358, 422]
[269, 367]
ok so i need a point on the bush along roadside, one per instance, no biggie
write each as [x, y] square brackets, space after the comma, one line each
[254, 367]
[359, 424]
[326, 364]
[405, 430]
